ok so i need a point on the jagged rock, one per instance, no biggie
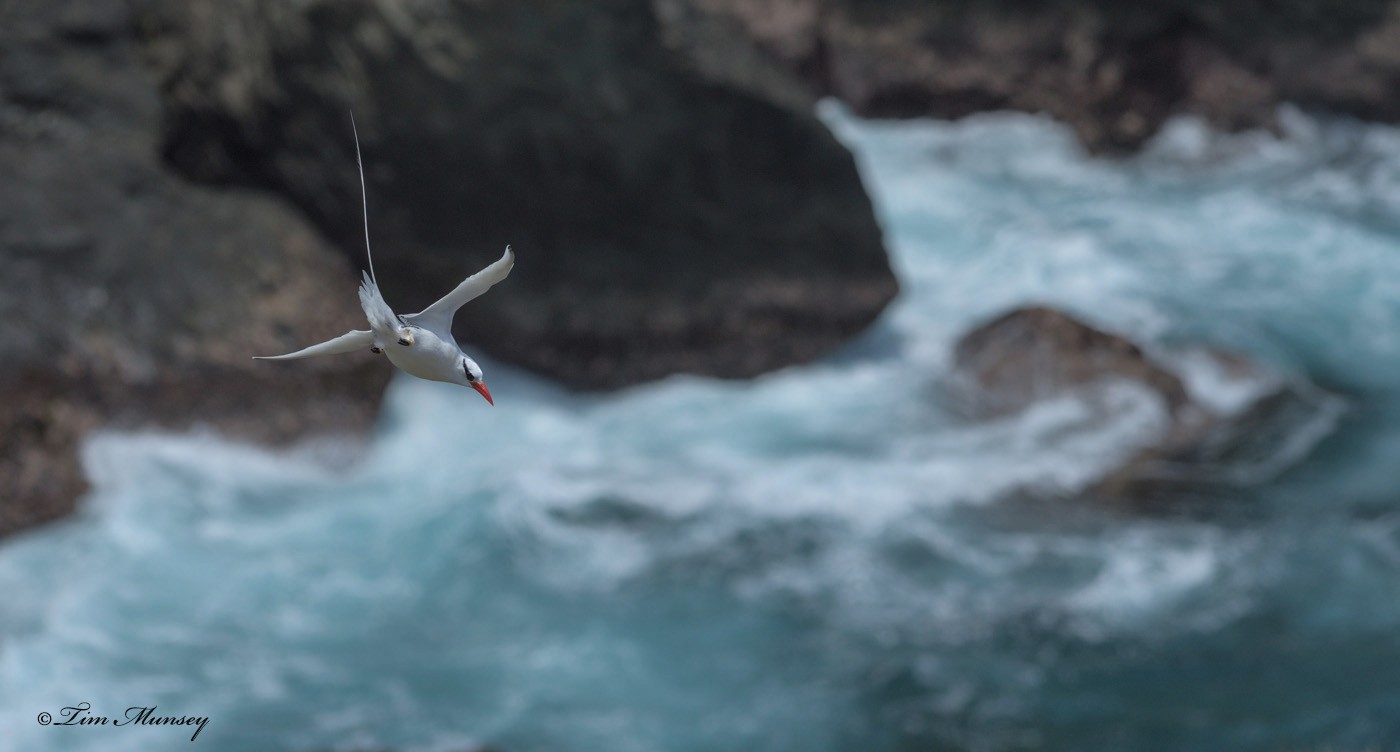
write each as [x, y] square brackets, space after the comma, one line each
[1032, 354]
[1264, 424]
[130, 296]
[672, 211]
[1113, 71]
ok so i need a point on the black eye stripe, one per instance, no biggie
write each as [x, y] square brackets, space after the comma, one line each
[470, 377]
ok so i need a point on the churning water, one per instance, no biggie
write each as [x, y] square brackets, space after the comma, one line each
[819, 559]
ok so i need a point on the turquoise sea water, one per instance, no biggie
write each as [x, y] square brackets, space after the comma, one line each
[819, 559]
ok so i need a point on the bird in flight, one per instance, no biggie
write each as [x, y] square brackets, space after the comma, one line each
[418, 343]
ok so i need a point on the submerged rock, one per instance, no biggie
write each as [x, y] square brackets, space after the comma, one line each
[130, 296]
[1113, 71]
[671, 212]
[1229, 422]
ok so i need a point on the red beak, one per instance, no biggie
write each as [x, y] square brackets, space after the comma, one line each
[480, 386]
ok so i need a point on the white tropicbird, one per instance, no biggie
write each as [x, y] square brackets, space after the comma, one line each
[423, 344]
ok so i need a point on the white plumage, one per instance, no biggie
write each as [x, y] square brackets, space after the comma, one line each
[420, 344]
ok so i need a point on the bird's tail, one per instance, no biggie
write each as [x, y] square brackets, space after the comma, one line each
[364, 200]
[381, 317]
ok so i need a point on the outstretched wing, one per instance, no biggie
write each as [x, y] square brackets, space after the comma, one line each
[438, 316]
[347, 342]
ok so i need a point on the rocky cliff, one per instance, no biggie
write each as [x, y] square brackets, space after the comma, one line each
[180, 192]
[131, 296]
[1113, 71]
[668, 215]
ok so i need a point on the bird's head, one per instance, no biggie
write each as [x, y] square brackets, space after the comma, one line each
[471, 376]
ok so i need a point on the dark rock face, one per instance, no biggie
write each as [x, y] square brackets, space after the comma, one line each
[671, 212]
[674, 208]
[1034, 354]
[1113, 71]
[129, 295]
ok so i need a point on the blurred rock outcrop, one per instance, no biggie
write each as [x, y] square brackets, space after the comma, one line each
[129, 295]
[1113, 71]
[671, 212]
[1230, 422]
[180, 193]
[1036, 353]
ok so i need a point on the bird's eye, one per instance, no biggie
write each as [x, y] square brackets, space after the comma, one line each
[467, 371]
